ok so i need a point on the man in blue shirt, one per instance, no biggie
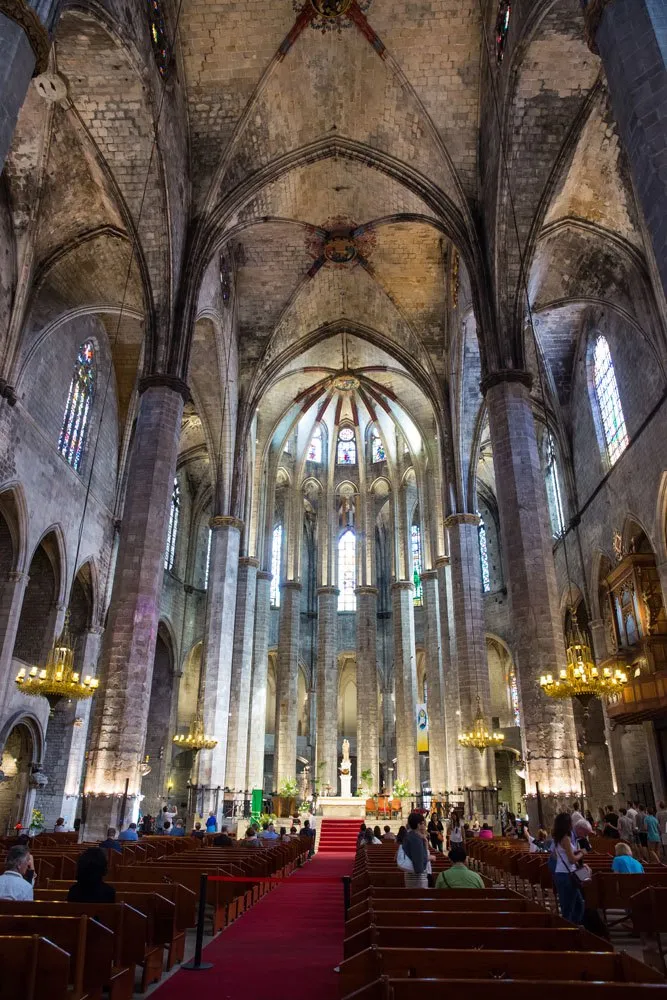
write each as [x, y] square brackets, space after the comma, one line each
[130, 833]
[624, 863]
[269, 833]
[111, 843]
[178, 830]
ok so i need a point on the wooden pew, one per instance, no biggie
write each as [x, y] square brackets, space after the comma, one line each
[90, 946]
[426, 899]
[129, 929]
[648, 910]
[439, 963]
[502, 989]
[443, 905]
[567, 938]
[611, 891]
[452, 918]
[226, 899]
[32, 968]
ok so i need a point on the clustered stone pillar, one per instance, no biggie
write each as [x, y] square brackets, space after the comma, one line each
[477, 769]
[239, 707]
[450, 677]
[405, 681]
[218, 653]
[129, 647]
[260, 661]
[437, 743]
[368, 734]
[547, 725]
[630, 37]
[11, 602]
[24, 50]
[289, 631]
[326, 755]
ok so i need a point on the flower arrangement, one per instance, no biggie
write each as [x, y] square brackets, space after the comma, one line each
[401, 789]
[288, 788]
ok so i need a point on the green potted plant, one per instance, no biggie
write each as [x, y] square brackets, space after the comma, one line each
[37, 824]
[284, 803]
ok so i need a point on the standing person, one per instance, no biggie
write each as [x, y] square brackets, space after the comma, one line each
[436, 832]
[567, 859]
[632, 813]
[90, 887]
[415, 848]
[661, 817]
[626, 827]
[146, 825]
[610, 827]
[17, 881]
[169, 814]
[653, 839]
[456, 831]
[212, 823]
[577, 815]
[641, 835]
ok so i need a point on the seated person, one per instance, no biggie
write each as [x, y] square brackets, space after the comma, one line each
[306, 830]
[223, 839]
[91, 867]
[198, 832]
[624, 863]
[284, 835]
[130, 833]
[269, 832]
[459, 875]
[166, 827]
[60, 826]
[293, 832]
[251, 839]
[16, 882]
[111, 843]
[178, 830]
[370, 838]
[486, 833]
[388, 835]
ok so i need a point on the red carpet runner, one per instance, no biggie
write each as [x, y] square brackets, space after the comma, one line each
[286, 946]
[338, 836]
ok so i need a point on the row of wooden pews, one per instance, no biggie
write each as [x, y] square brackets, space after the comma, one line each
[54, 949]
[411, 944]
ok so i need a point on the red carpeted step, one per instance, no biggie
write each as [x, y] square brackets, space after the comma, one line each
[338, 836]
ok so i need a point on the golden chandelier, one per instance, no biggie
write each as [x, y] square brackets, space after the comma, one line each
[479, 737]
[581, 678]
[195, 739]
[58, 679]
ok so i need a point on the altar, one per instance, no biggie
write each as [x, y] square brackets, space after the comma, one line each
[345, 805]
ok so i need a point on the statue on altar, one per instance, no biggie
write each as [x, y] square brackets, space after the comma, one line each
[345, 771]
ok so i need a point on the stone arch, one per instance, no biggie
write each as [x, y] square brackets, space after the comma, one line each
[18, 762]
[41, 601]
[501, 667]
[160, 724]
[14, 516]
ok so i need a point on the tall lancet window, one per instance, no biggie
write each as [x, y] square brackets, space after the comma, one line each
[172, 530]
[77, 410]
[276, 559]
[315, 447]
[207, 569]
[378, 454]
[416, 547]
[609, 401]
[347, 571]
[484, 558]
[346, 450]
[554, 493]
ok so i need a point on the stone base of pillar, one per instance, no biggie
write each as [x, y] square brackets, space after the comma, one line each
[103, 811]
[542, 812]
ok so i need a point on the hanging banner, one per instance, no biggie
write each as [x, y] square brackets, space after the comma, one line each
[422, 729]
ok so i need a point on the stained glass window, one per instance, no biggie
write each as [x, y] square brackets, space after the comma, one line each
[416, 547]
[377, 448]
[208, 559]
[77, 411]
[347, 571]
[484, 558]
[172, 530]
[554, 494]
[609, 401]
[346, 453]
[514, 697]
[502, 28]
[159, 37]
[315, 447]
[276, 559]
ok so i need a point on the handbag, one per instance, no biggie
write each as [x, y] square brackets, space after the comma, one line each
[583, 873]
[404, 862]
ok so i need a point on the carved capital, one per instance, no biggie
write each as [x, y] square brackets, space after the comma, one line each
[428, 574]
[16, 576]
[402, 585]
[593, 10]
[27, 19]
[291, 585]
[225, 522]
[264, 575]
[505, 375]
[328, 590]
[249, 561]
[366, 591]
[161, 380]
[455, 519]
[442, 561]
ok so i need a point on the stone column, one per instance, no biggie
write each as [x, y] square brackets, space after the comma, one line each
[239, 707]
[478, 770]
[24, 51]
[129, 646]
[289, 630]
[368, 732]
[11, 602]
[435, 703]
[616, 765]
[327, 689]
[450, 676]
[218, 653]
[405, 681]
[260, 662]
[630, 36]
[547, 725]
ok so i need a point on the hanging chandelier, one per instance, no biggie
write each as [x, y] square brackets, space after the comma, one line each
[479, 737]
[581, 678]
[58, 679]
[195, 739]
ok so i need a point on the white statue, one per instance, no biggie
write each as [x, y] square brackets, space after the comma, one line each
[345, 771]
